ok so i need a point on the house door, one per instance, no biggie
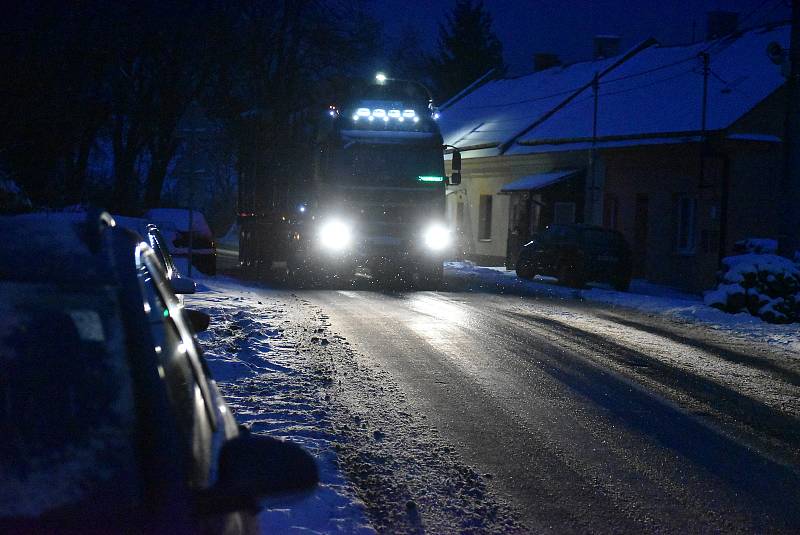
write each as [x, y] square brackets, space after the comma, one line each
[640, 236]
[519, 225]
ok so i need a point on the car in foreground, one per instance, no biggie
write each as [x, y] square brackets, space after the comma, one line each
[110, 419]
[577, 254]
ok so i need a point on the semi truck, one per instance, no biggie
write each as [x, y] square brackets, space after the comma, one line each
[375, 204]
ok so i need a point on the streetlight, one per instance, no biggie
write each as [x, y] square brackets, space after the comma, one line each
[381, 78]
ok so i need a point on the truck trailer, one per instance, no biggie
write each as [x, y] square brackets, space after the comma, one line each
[375, 204]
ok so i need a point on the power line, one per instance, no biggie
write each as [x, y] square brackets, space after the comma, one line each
[707, 49]
[602, 94]
[648, 71]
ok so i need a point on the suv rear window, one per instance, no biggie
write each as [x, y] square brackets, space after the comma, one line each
[66, 410]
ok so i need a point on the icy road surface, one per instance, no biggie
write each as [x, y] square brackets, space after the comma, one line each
[471, 411]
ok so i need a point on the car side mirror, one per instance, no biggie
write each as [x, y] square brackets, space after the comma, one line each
[199, 320]
[183, 285]
[254, 467]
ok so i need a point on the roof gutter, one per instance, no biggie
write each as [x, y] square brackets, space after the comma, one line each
[481, 146]
[647, 43]
[625, 137]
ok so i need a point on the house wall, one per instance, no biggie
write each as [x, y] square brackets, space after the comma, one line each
[756, 172]
[754, 208]
[482, 176]
[486, 176]
[661, 173]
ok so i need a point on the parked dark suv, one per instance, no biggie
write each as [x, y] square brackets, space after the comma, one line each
[110, 421]
[577, 254]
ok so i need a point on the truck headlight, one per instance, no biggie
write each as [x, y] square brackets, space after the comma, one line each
[335, 235]
[437, 237]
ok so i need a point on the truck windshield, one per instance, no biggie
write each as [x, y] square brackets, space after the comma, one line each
[387, 164]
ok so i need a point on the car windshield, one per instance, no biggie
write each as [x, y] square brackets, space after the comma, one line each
[66, 419]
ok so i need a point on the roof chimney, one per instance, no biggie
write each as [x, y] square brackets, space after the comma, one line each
[721, 23]
[606, 46]
[545, 60]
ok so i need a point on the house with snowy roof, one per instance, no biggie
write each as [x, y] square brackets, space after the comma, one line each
[677, 147]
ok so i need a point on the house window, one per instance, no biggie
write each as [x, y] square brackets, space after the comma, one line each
[563, 213]
[685, 239]
[485, 218]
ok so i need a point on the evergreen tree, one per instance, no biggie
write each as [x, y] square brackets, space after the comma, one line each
[468, 48]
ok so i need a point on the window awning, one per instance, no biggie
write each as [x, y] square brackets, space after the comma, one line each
[539, 180]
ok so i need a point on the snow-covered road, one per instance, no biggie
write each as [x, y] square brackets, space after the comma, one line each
[501, 409]
[286, 373]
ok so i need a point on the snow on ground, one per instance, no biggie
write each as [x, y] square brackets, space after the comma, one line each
[643, 296]
[274, 386]
[383, 468]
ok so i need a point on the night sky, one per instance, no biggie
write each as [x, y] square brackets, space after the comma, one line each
[566, 27]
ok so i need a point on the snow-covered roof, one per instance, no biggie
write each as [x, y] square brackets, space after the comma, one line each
[653, 91]
[539, 180]
[660, 91]
[499, 111]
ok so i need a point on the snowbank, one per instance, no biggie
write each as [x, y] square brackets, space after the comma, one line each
[263, 374]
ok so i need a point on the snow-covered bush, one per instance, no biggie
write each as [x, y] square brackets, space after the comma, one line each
[765, 285]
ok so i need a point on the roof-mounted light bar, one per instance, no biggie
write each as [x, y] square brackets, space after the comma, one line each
[393, 114]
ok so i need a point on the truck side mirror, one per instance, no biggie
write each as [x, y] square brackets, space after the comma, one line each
[455, 178]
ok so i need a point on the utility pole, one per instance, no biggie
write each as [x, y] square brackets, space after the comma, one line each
[593, 209]
[706, 71]
[705, 155]
[790, 185]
